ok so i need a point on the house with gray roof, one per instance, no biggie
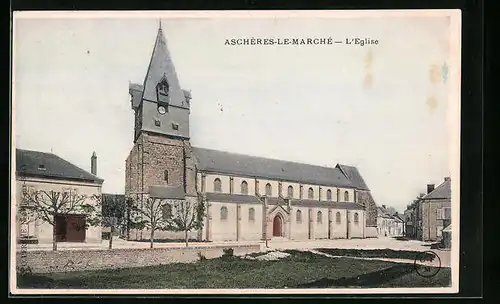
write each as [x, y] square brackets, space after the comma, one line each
[435, 210]
[49, 175]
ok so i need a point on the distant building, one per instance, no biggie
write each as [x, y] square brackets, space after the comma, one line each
[398, 224]
[48, 172]
[435, 211]
[388, 225]
[410, 225]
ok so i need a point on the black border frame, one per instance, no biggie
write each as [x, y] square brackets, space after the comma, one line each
[471, 238]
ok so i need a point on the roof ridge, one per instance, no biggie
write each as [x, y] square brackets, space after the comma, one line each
[266, 158]
[76, 166]
[435, 189]
[36, 151]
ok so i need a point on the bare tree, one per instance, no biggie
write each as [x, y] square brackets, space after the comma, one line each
[148, 213]
[187, 215]
[47, 205]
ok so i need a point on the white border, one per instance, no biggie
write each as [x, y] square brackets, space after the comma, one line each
[454, 125]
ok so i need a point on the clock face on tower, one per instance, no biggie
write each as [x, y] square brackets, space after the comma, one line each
[162, 110]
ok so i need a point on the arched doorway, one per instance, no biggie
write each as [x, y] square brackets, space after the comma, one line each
[277, 226]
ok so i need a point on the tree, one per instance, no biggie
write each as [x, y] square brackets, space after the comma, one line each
[47, 205]
[148, 213]
[187, 215]
[113, 212]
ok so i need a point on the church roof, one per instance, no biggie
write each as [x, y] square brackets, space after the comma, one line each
[442, 191]
[48, 165]
[161, 66]
[352, 174]
[167, 192]
[260, 167]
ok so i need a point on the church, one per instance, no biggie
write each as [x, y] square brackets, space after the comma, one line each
[247, 198]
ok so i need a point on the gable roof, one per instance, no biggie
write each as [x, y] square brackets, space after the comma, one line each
[442, 191]
[447, 228]
[352, 174]
[28, 163]
[260, 167]
[398, 217]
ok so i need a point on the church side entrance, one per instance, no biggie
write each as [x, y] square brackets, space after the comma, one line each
[278, 226]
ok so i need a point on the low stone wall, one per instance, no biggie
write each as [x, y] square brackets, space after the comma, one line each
[78, 260]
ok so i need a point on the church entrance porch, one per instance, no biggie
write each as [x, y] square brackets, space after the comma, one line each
[277, 226]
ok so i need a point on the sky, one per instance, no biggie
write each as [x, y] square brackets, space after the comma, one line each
[383, 108]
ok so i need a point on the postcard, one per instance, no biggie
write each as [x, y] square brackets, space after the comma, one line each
[235, 152]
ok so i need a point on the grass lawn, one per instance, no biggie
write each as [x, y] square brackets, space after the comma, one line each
[379, 253]
[300, 270]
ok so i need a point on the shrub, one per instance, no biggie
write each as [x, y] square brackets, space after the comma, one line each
[228, 253]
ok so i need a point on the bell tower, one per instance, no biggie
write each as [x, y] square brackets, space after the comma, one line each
[161, 163]
[161, 106]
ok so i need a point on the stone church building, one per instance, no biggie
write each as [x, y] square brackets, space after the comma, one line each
[248, 198]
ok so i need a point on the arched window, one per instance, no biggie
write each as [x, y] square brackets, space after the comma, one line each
[346, 196]
[244, 187]
[165, 176]
[251, 214]
[217, 185]
[298, 216]
[337, 218]
[319, 217]
[166, 212]
[269, 190]
[223, 213]
[290, 192]
[356, 218]
[310, 193]
[328, 195]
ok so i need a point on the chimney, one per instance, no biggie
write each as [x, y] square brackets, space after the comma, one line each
[93, 164]
[430, 188]
[446, 178]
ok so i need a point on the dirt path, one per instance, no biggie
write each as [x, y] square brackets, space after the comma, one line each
[423, 263]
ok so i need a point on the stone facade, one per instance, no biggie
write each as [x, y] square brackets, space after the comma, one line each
[154, 156]
[433, 219]
[365, 198]
[80, 260]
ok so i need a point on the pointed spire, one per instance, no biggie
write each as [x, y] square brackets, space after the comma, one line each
[161, 66]
[159, 28]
